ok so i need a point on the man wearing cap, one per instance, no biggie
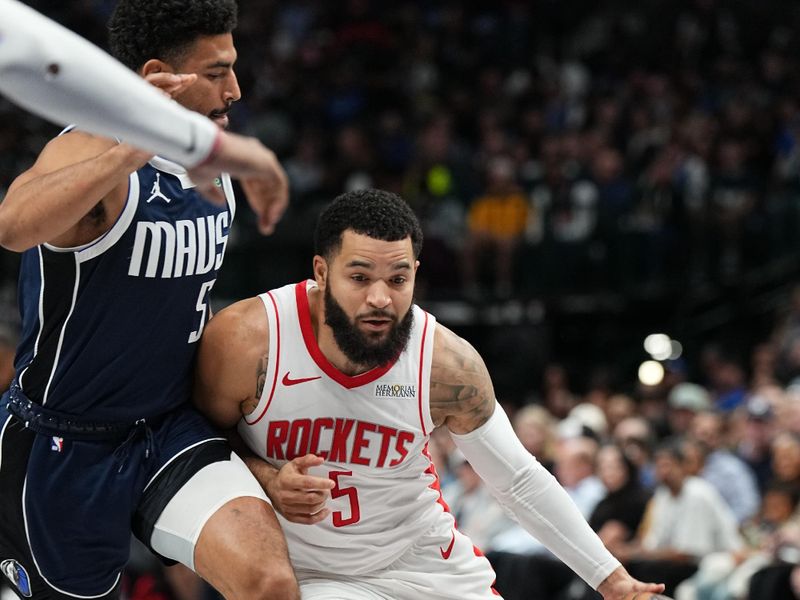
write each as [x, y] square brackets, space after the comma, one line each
[685, 401]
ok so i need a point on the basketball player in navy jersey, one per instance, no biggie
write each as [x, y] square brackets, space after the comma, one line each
[341, 379]
[97, 435]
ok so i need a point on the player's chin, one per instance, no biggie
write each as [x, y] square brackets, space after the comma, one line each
[221, 120]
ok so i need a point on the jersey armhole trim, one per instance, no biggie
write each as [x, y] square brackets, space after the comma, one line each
[112, 236]
[274, 342]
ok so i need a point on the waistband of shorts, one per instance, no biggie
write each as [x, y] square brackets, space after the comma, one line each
[49, 422]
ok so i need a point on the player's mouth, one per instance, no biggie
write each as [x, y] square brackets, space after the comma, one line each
[377, 320]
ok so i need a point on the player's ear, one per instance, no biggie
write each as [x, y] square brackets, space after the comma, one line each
[155, 65]
[320, 271]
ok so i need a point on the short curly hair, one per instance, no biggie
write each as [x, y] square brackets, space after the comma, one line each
[379, 214]
[140, 30]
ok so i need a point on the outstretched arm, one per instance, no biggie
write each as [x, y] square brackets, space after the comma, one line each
[462, 397]
[51, 71]
[56, 74]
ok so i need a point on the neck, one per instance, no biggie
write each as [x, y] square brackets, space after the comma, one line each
[675, 488]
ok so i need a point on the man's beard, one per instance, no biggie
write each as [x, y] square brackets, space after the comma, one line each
[358, 347]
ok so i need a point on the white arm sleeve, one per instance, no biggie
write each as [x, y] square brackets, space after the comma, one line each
[534, 497]
[49, 70]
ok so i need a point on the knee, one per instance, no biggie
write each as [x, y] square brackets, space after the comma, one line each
[268, 582]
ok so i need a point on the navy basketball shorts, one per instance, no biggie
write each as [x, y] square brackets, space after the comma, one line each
[67, 506]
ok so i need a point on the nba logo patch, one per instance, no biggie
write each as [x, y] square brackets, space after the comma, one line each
[56, 444]
[17, 575]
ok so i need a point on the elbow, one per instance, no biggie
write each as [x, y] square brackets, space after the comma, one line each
[12, 235]
[11, 240]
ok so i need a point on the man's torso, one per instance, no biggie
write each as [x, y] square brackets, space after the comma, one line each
[110, 328]
[372, 430]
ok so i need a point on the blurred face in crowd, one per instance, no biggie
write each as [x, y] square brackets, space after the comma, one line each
[669, 471]
[631, 435]
[611, 468]
[777, 506]
[680, 420]
[532, 430]
[786, 457]
[575, 461]
[707, 427]
[693, 457]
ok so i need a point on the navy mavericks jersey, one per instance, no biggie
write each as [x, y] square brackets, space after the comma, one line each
[110, 329]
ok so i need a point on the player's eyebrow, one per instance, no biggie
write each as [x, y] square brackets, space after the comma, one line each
[220, 64]
[356, 262]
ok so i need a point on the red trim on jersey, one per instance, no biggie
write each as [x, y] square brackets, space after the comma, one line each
[436, 484]
[347, 381]
[419, 384]
[277, 362]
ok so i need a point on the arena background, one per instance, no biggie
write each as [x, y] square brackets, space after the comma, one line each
[636, 160]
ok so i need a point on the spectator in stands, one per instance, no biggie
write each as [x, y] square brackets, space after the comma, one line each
[686, 400]
[685, 520]
[534, 427]
[726, 575]
[635, 437]
[729, 475]
[496, 221]
[754, 445]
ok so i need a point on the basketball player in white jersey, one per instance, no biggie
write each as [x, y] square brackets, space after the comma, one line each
[345, 376]
[51, 71]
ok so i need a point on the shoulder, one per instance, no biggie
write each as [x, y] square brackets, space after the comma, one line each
[701, 490]
[239, 324]
[64, 151]
[461, 391]
[451, 350]
[71, 148]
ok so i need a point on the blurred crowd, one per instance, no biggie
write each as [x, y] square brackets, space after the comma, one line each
[548, 146]
[693, 483]
[553, 147]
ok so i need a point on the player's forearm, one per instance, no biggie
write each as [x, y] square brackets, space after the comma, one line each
[58, 75]
[535, 498]
[264, 472]
[43, 208]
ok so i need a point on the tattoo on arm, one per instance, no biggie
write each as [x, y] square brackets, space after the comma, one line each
[249, 405]
[261, 376]
[461, 389]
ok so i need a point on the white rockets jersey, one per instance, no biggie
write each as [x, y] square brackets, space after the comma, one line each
[372, 429]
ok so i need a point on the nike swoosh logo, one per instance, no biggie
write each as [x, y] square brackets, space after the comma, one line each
[289, 381]
[446, 553]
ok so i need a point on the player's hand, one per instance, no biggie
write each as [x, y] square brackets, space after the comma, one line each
[171, 84]
[298, 496]
[268, 195]
[621, 586]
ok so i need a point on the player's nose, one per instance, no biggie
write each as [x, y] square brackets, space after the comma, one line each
[378, 294]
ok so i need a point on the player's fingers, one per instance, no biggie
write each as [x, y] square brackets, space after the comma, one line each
[310, 483]
[308, 460]
[305, 498]
[171, 83]
[306, 518]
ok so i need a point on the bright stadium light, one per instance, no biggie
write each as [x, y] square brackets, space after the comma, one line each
[651, 372]
[677, 350]
[658, 345]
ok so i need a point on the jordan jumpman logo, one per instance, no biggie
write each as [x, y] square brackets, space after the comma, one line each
[156, 191]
